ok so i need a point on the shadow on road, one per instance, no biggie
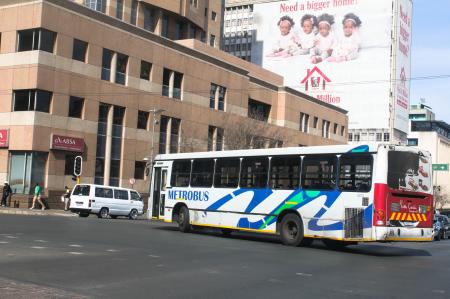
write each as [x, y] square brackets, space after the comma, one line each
[375, 249]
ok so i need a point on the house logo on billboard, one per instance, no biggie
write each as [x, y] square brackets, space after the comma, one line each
[315, 79]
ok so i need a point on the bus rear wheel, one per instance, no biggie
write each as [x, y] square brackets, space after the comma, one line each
[291, 230]
[183, 220]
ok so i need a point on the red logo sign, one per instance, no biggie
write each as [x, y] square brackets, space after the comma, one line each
[67, 143]
[315, 79]
[4, 138]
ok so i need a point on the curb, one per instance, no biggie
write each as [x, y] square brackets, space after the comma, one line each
[10, 211]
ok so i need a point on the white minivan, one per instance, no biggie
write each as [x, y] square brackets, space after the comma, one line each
[105, 201]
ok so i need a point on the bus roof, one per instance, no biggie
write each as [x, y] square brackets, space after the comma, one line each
[327, 149]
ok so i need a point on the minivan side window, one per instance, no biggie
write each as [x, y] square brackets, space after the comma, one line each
[103, 192]
[120, 194]
[82, 190]
[135, 195]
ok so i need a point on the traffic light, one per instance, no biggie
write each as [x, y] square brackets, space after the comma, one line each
[78, 166]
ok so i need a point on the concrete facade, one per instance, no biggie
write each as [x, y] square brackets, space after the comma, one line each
[115, 95]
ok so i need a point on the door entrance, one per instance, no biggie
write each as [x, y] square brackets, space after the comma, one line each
[159, 192]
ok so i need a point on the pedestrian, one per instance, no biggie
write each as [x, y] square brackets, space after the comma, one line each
[6, 193]
[66, 198]
[37, 196]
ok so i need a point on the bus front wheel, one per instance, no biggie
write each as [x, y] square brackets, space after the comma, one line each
[183, 220]
[291, 230]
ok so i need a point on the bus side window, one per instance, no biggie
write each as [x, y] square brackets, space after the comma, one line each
[355, 172]
[319, 172]
[202, 173]
[254, 172]
[181, 172]
[284, 172]
[227, 173]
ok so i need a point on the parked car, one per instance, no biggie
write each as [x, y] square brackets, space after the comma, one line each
[437, 229]
[105, 201]
[443, 219]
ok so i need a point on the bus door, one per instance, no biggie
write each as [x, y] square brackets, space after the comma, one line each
[159, 192]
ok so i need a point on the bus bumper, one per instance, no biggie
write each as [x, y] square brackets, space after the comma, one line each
[411, 234]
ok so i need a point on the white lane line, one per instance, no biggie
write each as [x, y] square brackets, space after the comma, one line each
[75, 245]
[4, 242]
[11, 237]
[40, 241]
[303, 274]
[154, 256]
[37, 247]
[112, 250]
[75, 252]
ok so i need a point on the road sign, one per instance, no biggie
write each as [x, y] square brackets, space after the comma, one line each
[132, 181]
[440, 167]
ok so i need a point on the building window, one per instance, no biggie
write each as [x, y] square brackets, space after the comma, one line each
[79, 50]
[342, 130]
[215, 138]
[174, 135]
[36, 39]
[258, 110]
[356, 137]
[146, 68]
[212, 40]
[142, 119]
[139, 170]
[165, 26]
[149, 18]
[76, 107]
[325, 129]
[193, 3]
[134, 9]
[213, 16]
[121, 69]
[179, 29]
[386, 137]
[192, 31]
[379, 137]
[350, 137]
[335, 129]
[217, 95]
[119, 9]
[315, 122]
[169, 134]
[32, 100]
[98, 5]
[172, 84]
[25, 170]
[413, 141]
[106, 64]
[304, 122]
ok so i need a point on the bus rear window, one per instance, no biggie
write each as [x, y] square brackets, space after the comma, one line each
[81, 190]
[409, 171]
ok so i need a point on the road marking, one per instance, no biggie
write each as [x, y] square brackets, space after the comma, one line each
[439, 291]
[4, 242]
[112, 250]
[11, 237]
[75, 252]
[154, 256]
[40, 241]
[303, 274]
[75, 245]
[37, 247]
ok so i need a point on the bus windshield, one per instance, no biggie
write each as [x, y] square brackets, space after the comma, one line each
[409, 171]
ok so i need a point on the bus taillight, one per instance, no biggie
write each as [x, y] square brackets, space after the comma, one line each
[379, 202]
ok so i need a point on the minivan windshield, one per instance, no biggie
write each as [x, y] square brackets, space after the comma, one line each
[81, 190]
[409, 171]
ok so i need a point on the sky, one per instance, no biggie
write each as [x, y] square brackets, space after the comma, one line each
[430, 55]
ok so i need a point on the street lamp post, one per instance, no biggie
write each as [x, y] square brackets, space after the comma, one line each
[149, 160]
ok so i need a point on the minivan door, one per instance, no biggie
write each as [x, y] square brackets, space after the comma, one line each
[159, 192]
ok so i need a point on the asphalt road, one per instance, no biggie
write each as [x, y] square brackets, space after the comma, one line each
[65, 257]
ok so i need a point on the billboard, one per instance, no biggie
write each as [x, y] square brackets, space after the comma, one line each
[337, 51]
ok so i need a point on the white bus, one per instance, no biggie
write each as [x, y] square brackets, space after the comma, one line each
[341, 194]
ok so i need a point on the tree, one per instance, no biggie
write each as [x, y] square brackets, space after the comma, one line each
[441, 198]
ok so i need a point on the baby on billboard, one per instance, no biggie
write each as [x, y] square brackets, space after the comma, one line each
[318, 38]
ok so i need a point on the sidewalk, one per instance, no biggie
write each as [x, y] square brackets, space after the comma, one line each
[36, 212]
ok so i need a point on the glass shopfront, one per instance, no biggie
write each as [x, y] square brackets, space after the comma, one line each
[26, 169]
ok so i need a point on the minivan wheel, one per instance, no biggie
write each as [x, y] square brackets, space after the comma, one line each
[183, 220]
[133, 214]
[103, 213]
